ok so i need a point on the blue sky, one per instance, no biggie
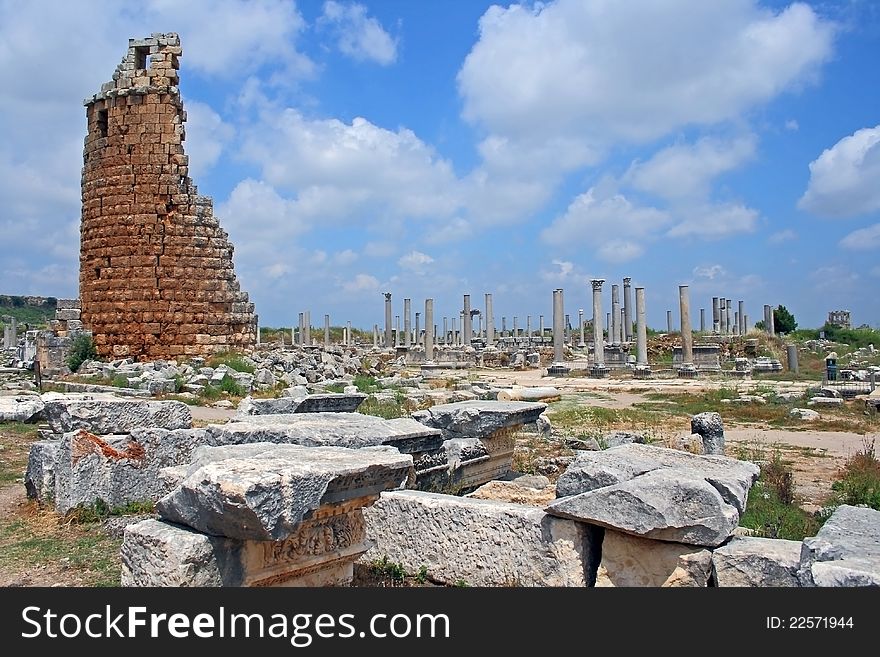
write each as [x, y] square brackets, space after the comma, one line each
[436, 148]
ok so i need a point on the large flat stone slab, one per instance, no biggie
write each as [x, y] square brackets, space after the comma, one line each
[330, 402]
[752, 561]
[593, 470]
[21, 408]
[320, 553]
[663, 504]
[845, 551]
[633, 561]
[114, 416]
[479, 418]
[478, 542]
[265, 492]
[352, 430]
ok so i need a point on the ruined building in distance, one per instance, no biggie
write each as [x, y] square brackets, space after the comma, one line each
[156, 274]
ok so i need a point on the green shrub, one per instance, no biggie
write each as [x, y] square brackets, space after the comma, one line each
[229, 386]
[769, 517]
[232, 360]
[82, 348]
[859, 481]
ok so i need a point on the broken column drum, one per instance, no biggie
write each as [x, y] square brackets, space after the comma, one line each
[615, 315]
[598, 343]
[156, 273]
[490, 322]
[627, 309]
[429, 329]
[389, 334]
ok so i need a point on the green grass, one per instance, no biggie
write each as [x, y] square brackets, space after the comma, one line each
[771, 509]
[33, 540]
[859, 480]
[386, 409]
[99, 510]
[365, 383]
[15, 441]
[232, 360]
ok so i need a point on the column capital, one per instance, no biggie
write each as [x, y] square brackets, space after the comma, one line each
[627, 281]
[597, 283]
[387, 296]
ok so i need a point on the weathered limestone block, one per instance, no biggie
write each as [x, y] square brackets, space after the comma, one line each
[666, 505]
[317, 403]
[265, 492]
[21, 408]
[751, 561]
[479, 542]
[845, 551]
[710, 427]
[807, 414]
[352, 430]
[118, 469]
[591, 470]
[39, 478]
[114, 416]
[320, 552]
[633, 561]
[479, 418]
[531, 490]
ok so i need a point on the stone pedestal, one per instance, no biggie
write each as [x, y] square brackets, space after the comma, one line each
[642, 372]
[599, 371]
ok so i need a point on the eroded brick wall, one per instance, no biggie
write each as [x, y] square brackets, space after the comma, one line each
[156, 272]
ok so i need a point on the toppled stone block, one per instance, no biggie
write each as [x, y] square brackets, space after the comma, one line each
[21, 408]
[352, 430]
[39, 478]
[618, 438]
[478, 542]
[264, 492]
[531, 490]
[633, 561]
[657, 493]
[117, 469]
[825, 401]
[320, 552]
[479, 418]
[845, 551]
[752, 561]
[710, 427]
[114, 416]
[804, 414]
[663, 505]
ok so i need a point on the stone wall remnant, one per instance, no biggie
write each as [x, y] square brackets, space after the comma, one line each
[156, 272]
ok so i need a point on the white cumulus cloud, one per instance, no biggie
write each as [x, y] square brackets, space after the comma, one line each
[845, 179]
[864, 239]
[358, 35]
[415, 261]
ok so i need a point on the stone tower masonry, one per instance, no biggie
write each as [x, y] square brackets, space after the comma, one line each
[156, 274]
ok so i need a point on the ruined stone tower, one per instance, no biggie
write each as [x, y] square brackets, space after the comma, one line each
[156, 275]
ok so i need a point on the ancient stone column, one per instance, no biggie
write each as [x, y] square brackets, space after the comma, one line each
[407, 328]
[515, 330]
[702, 320]
[627, 309]
[490, 322]
[608, 327]
[466, 330]
[327, 330]
[728, 315]
[736, 322]
[389, 335]
[375, 336]
[581, 344]
[772, 321]
[746, 322]
[558, 319]
[598, 342]
[301, 329]
[541, 326]
[529, 328]
[742, 324]
[349, 334]
[257, 322]
[641, 329]
[716, 316]
[792, 353]
[397, 330]
[429, 330]
[669, 321]
[417, 336]
[722, 317]
[615, 314]
[307, 317]
[445, 330]
[687, 338]
[565, 328]
[503, 326]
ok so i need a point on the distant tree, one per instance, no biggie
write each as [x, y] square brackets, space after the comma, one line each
[760, 325]
[783, 321]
